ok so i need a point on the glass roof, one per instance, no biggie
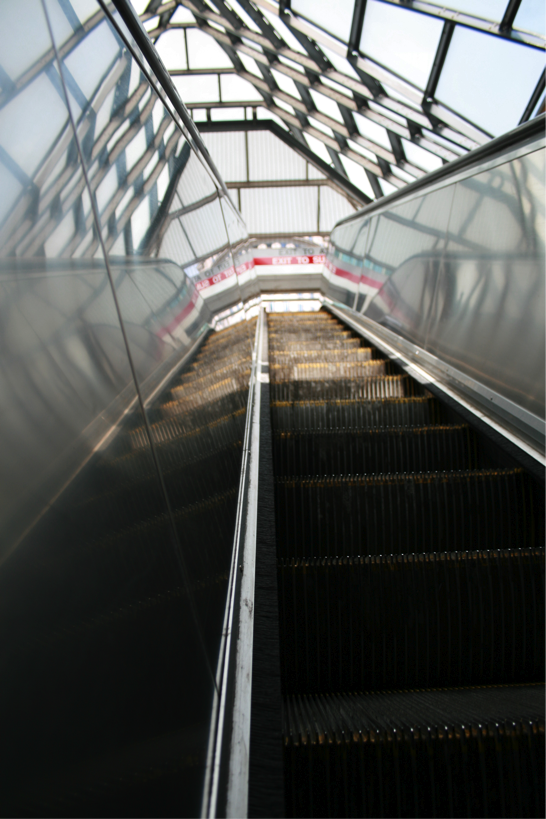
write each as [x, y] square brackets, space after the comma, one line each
[401, 40]
[366, 96]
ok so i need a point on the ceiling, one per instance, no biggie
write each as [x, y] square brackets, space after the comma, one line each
[370, 95]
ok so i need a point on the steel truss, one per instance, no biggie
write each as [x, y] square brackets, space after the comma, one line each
[378, 94]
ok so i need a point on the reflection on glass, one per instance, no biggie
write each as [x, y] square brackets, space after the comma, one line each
[459, 271]
[121, 456]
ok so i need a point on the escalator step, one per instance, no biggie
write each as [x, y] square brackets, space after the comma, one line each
[205, 414]
[198, 395]
[402, 449]
[287, 358]
[459, 618]
[466, 752]
[314, 370]
[236, 373]
[228, 427]
[372, 387]
[214, 370]
[278, 344]
[418, 411]
[403, 513]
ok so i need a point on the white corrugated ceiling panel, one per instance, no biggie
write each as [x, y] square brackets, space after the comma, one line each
[333, 207]
[227, 149]
[269, 158]
[280, 210]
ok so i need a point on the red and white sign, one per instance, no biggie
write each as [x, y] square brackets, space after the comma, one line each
[204, 284]
[242, 268]
[275, 260]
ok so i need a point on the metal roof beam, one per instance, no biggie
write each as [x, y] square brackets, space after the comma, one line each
[281, 183]
[311, 66]
[503, 29]
[535, 98]
[374, 182]
[356, 25]
[509, 15]
[439, 60]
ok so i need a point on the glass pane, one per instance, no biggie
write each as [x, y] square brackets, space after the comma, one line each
[357, 175]
[81, 568]
[368, 128]
[172, 49]
[286, 83]
[333, 206]
[400, 39]
[113, 592]
[319, 148]
[204, 51]
[340, 63]
[407, 242]
[251, 65]
[489, 80]
[229, 154]
[235, 89]
[24, 21]
[245, 17]
[198, 88]
[284, 32]
[326, 105]
[531, 17]
[320, 12]
[140, 5]
[182, 15]
[421, 158]
[491, 294]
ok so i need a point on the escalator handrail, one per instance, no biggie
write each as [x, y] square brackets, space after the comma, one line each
[225, 791]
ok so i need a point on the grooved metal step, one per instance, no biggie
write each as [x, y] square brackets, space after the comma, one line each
[464, 752]
[411, 620]
[382, 450]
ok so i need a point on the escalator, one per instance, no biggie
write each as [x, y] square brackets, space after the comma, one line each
[410, 554]
[409, 560]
